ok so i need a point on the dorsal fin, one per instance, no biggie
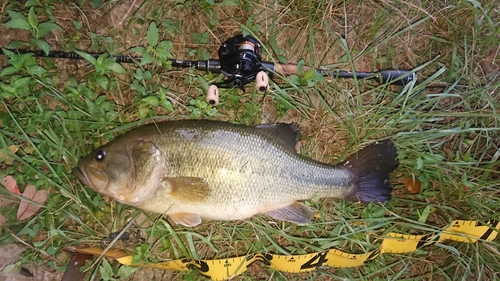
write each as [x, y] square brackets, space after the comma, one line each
[287, 134]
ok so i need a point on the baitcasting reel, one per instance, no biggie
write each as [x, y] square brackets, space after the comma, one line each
[241, 63]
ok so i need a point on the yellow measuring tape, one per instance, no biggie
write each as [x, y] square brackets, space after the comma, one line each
[222, 269]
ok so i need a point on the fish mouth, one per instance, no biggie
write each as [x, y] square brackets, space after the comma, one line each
[92, 177]
[81, 175]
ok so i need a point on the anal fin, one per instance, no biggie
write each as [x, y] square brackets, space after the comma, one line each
[186, 219]
[296, 212]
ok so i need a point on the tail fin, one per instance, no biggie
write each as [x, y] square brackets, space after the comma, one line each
[371, 167]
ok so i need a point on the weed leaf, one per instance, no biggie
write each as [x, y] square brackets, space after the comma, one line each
[9, 268]
[147, 58]
[87, 57]
[18, 20]
[45, 27]
[115, 67]
[32, 18]
[106, 271]
[42, 44]
[18, 23]
[124, 272]
[152, 35]
[9, 70]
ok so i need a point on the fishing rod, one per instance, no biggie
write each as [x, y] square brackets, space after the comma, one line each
[241, 62]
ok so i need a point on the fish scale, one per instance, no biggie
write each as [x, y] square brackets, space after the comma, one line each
[273, 168]
[195, 169]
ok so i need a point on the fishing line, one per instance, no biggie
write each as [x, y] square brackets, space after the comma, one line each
[394, 243]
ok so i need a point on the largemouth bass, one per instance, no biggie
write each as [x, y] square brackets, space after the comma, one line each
[196, 169]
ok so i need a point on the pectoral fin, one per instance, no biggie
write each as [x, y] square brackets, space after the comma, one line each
[186, 219]
[296, 212]
[189, 189]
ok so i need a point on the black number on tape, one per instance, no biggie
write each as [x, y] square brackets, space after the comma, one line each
[315, 261]
[201, 266]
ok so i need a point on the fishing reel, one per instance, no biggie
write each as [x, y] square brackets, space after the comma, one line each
[241, 62]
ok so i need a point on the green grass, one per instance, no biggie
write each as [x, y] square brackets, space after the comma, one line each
[446, 125]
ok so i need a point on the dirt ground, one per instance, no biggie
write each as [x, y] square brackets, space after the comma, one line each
[9, 255]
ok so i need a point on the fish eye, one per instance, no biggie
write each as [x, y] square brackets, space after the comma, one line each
[100, 154]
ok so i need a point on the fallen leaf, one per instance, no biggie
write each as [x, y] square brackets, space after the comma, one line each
[6, 156]
[13, 148]
[26, 208]
[10, 184]
[41, 236]
[9, 268]
[412, 185]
